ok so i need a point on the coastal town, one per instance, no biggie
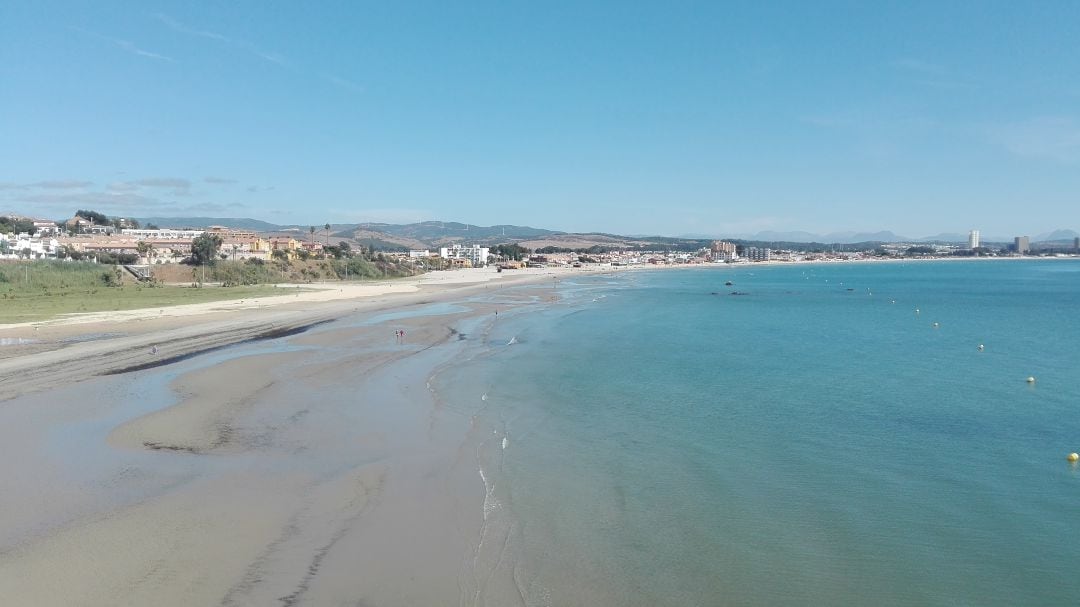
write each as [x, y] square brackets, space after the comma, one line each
[93, 237]
[612, 304]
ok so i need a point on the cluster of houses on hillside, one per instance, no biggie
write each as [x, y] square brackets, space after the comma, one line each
[81, 238]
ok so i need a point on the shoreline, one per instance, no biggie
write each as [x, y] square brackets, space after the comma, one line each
[86, 345]
[79, 346]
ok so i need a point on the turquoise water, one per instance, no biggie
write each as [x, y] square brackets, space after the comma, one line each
[815, 441]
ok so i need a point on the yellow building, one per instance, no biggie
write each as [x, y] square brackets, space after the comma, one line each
[287, 244]
[246, 247]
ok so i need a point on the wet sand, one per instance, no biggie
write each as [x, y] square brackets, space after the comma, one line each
[311, 469]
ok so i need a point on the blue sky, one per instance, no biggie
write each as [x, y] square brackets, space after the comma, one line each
[631, 117]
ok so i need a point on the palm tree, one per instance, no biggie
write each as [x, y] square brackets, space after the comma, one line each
[143, 248]
[327, 228]
[312, 233]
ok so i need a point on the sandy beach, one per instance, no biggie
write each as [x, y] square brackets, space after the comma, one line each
[284, 450]
[77, 346]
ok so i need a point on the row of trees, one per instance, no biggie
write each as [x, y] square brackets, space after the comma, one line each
[14, 225]
[326, 228]
[511, 251]
[102, 219]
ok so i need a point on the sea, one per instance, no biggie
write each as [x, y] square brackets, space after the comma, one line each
[833, 434]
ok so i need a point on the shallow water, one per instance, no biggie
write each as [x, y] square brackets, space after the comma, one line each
[17, 341]
[654, 440]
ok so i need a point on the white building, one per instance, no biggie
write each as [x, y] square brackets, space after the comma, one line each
[22, 245]
[162, 233]
[46, 228]
[475, 254]
[973, 239]
[758, 254]
[723, 251]
[419, 254]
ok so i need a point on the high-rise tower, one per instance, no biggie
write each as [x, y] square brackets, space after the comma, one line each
[973, 239]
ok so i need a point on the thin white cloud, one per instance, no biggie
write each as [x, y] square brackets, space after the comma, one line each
[268, 56]
[244, 45]
[103, 200]
[61, 184]
[131, 48]
[139, 197]
[343, 82]
[126, 45]
[164, 182]
[177, 186]
[219, 180]
[183, 29]
[121, 186]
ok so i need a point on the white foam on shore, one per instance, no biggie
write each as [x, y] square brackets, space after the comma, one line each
[491, 503]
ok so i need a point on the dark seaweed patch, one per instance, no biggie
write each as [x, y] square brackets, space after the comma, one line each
[269, 334]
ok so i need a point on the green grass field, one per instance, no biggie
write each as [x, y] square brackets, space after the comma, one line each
[40, 290]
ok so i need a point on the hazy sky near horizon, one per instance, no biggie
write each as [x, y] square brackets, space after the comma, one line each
[632, 117]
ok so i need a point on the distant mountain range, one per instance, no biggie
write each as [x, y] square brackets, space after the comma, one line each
[430, 234]
[887, 236]
[235, 223]
[442, 230]
[1057, 236]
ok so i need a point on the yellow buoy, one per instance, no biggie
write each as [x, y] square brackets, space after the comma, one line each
[1030, 380]
[1073, 457]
